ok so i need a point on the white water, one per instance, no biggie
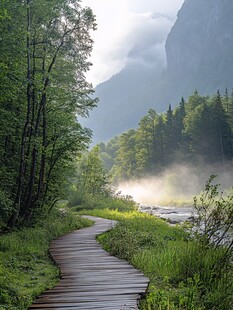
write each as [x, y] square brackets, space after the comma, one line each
[170, 213]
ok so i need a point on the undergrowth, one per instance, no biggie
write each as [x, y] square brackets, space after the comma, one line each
[26, 269]
[113, 201]
[184, 274]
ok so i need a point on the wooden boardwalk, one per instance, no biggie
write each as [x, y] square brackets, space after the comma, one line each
[91, 278]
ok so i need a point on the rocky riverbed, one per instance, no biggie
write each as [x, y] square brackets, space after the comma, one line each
[171, 214]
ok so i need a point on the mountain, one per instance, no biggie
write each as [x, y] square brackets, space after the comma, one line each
[122, 101]
[199, 51]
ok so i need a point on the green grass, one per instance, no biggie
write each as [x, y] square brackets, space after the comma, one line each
[26, 268]
[183, 274]
[88, 202]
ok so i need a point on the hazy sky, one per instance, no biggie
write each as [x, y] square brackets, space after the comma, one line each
[126, 24]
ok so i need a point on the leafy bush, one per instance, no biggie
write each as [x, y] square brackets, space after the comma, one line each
[214, 218]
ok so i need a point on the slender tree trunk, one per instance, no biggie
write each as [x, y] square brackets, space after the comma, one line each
[43, 155]
[44, 142]
[20, 180]
[32, 197]
[32, 201]
[50, 168]
[33, 109]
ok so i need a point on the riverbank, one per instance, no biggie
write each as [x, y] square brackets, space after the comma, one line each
[183, 273]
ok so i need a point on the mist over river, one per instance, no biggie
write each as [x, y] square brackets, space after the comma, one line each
[169, 195]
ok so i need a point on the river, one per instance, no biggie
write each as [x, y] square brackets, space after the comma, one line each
[172, 214]
[175, 215]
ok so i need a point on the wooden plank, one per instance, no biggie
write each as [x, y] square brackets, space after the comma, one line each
[91, 278]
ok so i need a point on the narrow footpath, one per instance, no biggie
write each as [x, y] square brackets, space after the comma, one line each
[91, 278]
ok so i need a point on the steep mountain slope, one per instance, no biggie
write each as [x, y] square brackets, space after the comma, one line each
[199, 49]
[123, 102]
[199, 52]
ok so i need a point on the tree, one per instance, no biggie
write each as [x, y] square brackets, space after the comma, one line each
[125, 163]
[11, 98]
[209, 131]
[179, 115]
[146, 144]
[194, 101]
[225, 101]
[92, 178]
[108, 152]
[230, 111]
[199, 132]
[223, 145]
[170, 142]
[48, 63]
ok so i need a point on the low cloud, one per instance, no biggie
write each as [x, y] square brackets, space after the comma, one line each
[129, 25]
[148, 37]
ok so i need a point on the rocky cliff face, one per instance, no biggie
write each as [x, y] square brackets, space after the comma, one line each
[199, 48]
[199, 51]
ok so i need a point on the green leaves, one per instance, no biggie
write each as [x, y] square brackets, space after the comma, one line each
[92, 177]
[214, 217]
[43, 89]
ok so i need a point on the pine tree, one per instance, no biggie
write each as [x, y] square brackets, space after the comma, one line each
[169, 135]
[179, 115]
[220, 130]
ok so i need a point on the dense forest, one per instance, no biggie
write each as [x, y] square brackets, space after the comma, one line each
[197, 131]
[44, 48]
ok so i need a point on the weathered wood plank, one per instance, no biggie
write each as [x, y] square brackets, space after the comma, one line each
[91, 278]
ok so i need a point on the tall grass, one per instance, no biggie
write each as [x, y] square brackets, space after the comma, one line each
[25, 266]
[185, 271]
[113, 201]
[183, 274]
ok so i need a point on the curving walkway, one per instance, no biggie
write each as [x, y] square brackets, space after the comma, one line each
[91, 278]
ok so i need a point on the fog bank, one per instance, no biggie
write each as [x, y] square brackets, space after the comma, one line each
[176, 185]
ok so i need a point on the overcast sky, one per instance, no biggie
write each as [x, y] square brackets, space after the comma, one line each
[126, 24]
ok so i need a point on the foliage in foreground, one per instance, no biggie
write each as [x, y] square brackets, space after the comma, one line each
[25, 266]
[214, 218]
[182, 273]
[44, 51]
[186, 271]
